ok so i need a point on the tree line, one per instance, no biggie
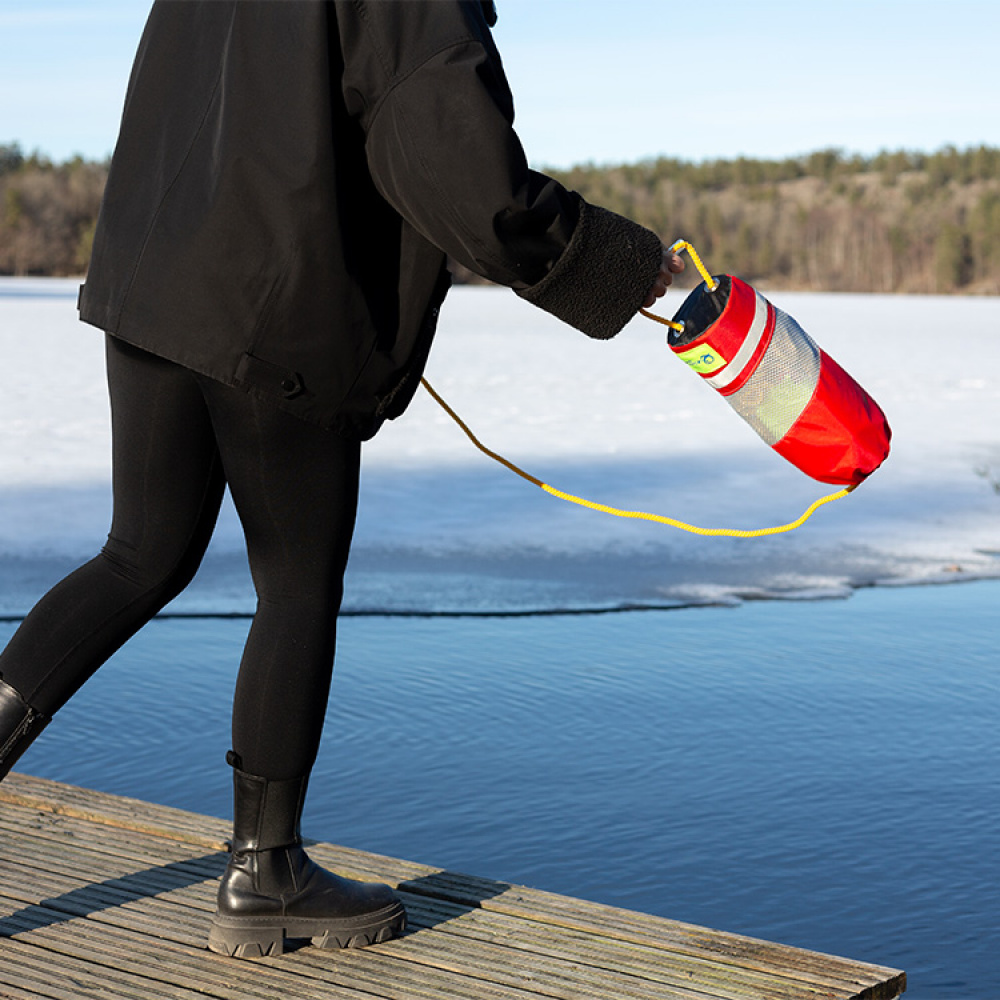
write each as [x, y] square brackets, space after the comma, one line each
[893, 222]
[47, 212]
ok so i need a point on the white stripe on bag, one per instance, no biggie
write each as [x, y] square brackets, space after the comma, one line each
[734, 369]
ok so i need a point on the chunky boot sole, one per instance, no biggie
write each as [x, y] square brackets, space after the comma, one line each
[259, 937]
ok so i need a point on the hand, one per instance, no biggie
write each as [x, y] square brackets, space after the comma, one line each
[670, 265]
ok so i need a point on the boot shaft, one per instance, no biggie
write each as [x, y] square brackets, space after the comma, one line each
[19, 725]
[267, 858]
[266, 813]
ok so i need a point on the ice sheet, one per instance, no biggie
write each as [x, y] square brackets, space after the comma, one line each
[443, 528]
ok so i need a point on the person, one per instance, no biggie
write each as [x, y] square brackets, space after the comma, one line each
[269, 261]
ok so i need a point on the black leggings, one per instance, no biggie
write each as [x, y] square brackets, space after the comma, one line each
[178, 439]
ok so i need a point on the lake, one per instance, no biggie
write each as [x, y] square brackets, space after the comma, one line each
[821, 773]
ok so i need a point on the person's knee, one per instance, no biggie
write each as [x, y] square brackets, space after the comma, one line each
[156, 571]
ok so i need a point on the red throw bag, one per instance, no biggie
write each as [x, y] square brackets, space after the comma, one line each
[790, 391]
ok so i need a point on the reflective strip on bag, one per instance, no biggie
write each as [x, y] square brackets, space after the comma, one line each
[748, 348]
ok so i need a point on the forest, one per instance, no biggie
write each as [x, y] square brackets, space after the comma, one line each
[892, 222]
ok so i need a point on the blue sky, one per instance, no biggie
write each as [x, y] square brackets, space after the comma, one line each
[610, 81]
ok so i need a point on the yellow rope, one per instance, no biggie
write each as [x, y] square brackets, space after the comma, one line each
[639, 515]
[679, 327]
[680, 245]
[710, 282]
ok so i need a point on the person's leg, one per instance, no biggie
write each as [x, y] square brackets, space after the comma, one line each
[167, 485]
[295, 488]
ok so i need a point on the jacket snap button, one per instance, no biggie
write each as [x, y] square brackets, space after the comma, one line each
[289, 386]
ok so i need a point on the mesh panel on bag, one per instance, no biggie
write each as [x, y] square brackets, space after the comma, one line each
[776, 394]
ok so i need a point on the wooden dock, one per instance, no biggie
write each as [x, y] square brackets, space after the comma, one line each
[106, 897]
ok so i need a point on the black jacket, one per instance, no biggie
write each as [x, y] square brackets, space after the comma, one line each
[288, 179]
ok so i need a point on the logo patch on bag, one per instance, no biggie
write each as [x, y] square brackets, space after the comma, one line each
[703, 359]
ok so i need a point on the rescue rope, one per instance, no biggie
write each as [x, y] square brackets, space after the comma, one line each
[635, 514]
[710, 283]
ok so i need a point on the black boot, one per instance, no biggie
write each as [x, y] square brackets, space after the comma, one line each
[19, 725]
[272, 890]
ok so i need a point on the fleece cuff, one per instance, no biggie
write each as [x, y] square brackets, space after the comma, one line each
[603, 276]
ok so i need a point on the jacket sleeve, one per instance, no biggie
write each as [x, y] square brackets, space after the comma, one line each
[426, 83]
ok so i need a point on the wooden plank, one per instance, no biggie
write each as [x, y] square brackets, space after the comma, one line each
[450, 969]
[114, 810]
[66, 976]
[92, 882]
[191, 966]
[588, 918]
[411, 908]
[489, 930]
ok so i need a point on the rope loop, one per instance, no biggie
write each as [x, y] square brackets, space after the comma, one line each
[710, 283]
[635, 514]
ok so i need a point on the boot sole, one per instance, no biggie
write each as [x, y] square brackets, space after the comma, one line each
[261, 937]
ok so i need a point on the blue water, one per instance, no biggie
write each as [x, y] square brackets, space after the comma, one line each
[819, 773]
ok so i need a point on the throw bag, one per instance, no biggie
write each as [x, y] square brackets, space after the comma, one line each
[789, 390]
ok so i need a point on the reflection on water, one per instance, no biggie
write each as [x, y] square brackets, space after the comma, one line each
[823, 774]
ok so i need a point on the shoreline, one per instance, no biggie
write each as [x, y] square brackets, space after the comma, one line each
[588, 611]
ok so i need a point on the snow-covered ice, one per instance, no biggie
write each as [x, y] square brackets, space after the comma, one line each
[443, 528]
